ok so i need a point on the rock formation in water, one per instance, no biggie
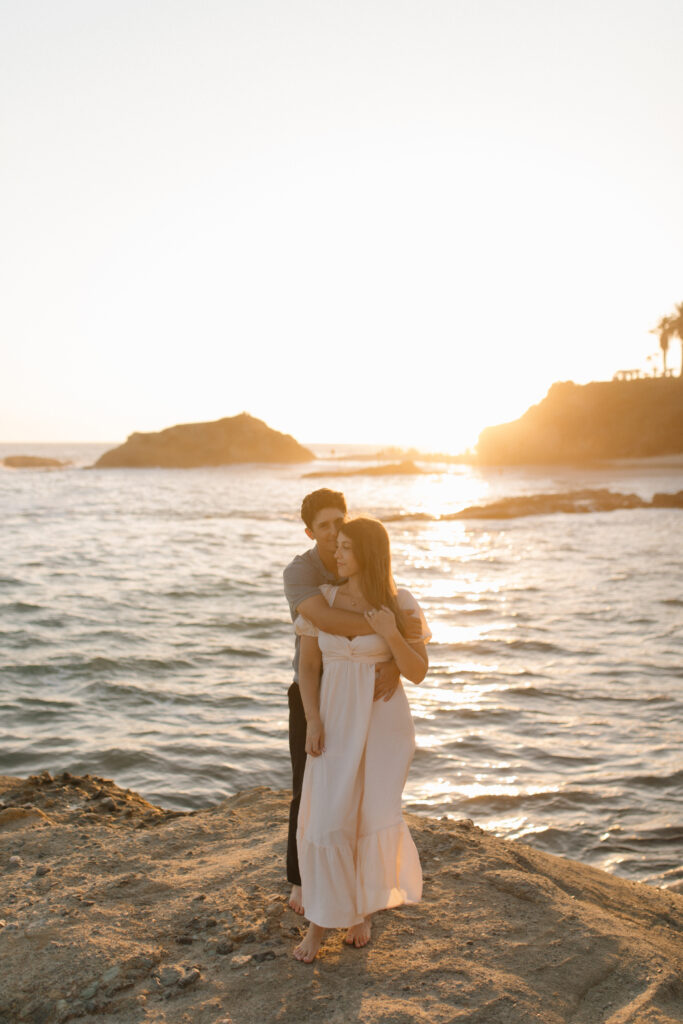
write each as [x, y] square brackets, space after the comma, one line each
[233, 439]
[405, 468]
[668, 500]
[577, 424]
[33, 462]
[567, 502]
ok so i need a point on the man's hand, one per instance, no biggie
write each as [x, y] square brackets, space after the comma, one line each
[315, 737]
[413, 627]
[387, 678]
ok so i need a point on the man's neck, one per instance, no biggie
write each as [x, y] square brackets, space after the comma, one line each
[329, 561]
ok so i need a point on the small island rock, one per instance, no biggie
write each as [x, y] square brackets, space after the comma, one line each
[221, 442]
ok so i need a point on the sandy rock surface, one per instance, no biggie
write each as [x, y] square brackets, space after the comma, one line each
[115, 911]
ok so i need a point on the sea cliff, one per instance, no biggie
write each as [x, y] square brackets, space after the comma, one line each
[233, 439]
[119, 912]
[578, 424]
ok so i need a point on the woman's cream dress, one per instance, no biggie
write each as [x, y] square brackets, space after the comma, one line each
[356, 854]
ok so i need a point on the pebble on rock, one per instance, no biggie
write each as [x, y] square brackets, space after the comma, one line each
[190, 977]
[169, 975]
[43, 869]
[267, 954]
[239, 961]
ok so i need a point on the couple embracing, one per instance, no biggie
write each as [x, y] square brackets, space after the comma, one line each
[351, 734]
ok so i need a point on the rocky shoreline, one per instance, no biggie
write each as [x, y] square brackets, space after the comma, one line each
[118, 911]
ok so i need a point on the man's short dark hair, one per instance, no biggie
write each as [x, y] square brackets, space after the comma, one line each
[317, 500]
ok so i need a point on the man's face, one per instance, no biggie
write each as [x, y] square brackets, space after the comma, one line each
[325, 528]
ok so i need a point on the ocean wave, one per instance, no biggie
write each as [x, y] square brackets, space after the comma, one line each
[496, 645]
[510, 801]
[467, 712]
[101, 665]
[633, 841]
[32, 669]
[21, 606]
[131, 695]
[241, 652]
[535, 691]
[657, 781]
[31, 703]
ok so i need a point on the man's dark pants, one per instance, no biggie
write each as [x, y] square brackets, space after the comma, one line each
[297, 753]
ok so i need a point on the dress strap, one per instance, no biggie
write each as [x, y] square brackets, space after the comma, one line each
[329, 592]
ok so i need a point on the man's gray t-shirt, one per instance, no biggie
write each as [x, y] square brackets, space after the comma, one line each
[303, 577]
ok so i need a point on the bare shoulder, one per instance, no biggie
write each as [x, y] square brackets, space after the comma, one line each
[405, 599]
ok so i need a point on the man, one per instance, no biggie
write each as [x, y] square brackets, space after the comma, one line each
[323, 513]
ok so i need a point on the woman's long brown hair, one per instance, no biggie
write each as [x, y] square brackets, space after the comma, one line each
[370, 545]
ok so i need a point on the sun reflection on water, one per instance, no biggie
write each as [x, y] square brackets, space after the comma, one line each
[434, 792]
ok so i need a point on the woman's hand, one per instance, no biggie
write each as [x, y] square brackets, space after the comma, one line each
[315, 737]
[382, 621]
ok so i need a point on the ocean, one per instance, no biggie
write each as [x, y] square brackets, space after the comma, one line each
[144, 637]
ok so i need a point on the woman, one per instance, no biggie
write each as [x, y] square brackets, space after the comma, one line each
[356, 854]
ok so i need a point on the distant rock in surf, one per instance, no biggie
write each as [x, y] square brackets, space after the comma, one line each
[571, 502]
[546, 504]
[577, 424]
[234, 439]
[404, 454]
[406, 468]
[668, 500]
[33, 462]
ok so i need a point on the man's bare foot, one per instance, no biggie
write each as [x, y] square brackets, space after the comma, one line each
[359, 934]
[310, 944]
[295, 900]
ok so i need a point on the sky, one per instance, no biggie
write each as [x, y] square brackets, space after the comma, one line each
[377, 221]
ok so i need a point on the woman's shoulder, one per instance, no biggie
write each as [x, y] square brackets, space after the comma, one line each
[404, 598]
[408, 603]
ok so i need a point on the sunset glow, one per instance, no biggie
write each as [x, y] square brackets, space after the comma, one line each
[361, 223]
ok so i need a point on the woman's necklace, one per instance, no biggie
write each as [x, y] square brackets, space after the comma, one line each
[355, 602]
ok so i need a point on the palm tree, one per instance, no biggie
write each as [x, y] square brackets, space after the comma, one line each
[670, 327]
[663, 329]
[677, 330]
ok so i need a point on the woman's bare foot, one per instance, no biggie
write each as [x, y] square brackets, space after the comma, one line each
[359, 934]
[310, 944]
[295, 900]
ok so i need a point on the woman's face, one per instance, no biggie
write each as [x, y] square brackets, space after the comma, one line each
[346, 560]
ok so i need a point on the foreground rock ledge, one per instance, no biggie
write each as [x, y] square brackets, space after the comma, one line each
[234, 439]
[118, 911]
